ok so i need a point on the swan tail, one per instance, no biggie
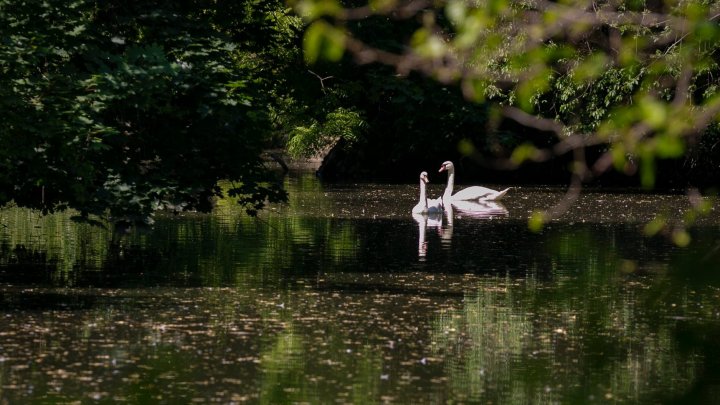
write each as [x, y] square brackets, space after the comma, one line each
[499, 195]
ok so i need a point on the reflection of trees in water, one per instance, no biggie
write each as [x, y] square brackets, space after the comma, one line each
[480, 343]
[586, 331]
[49, 248]
[226, 247]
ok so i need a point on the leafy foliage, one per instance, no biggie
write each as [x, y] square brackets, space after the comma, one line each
[632, 82]
[613, 73]
[127, 107]
[319, 136]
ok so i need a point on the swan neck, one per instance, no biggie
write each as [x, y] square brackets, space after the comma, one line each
[450, 183]
[423, 194]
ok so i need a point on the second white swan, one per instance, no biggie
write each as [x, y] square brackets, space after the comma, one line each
[425, 205]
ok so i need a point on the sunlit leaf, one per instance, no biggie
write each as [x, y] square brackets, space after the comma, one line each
[705, 205]
[427, 44]
[628, 266]
[531, 88]
[619, 157]
[690, 216]
[313, 9]
[653, 112]
[470, 30]
[474, 88]
[707, 31]
[628, 52]
[653, 227]
[456, 11]
[669, 146]
[647, 170]
[382, 5]
[523, 153]
[551, 16]
[681, 237]
[536, 222]
[591, 67]
[497, 7]
[77, 30]
[466, 147]
[323, 41]
[579, 28]
[696, 11]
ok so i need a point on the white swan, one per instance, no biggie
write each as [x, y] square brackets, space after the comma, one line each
[425, 205]
[471, 193]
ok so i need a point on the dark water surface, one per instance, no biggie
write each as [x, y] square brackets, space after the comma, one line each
[342, 296]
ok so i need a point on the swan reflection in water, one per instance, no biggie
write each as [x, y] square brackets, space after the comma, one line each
[479, 209]
[433, 221]
[444, 224]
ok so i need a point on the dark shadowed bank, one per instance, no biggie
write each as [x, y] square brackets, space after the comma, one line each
[378, 160]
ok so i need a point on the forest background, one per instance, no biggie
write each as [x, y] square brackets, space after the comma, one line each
[124, 107]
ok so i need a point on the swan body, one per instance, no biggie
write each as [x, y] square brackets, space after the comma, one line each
[425, 205]
[480, 209]
[473, 193]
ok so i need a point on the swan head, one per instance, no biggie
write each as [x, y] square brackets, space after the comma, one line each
[424, 177]
[447, 165]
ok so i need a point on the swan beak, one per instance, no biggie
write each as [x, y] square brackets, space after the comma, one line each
[442, 169]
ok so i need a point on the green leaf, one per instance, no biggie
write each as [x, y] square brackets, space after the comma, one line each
[681, 237]
[647, 169]
[522, 153]
[466, 147]
[456, 11]
[314, 9]
[531, 88]
[591, 67]
[427, 44]
[382, 5]
[473, 26]
[668, 146]
[474, 88]
[656, 225]
[322, 40]
[537, 220]
[77, 30]
[653, 112]
[619, 156]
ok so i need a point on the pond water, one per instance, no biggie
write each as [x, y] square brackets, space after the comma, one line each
[342, 296]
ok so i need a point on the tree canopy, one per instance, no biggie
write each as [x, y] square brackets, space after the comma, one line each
[126, 107]
[634, 80]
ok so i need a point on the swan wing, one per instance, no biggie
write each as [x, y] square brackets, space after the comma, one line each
[474, 193]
